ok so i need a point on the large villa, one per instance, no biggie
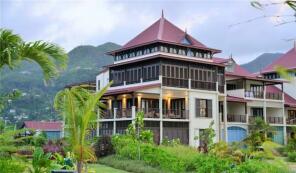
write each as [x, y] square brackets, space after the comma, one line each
[182, 86]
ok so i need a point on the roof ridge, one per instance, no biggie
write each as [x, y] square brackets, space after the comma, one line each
[160, 29]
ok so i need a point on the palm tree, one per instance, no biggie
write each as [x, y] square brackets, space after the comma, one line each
[79, 108]
[13, 50]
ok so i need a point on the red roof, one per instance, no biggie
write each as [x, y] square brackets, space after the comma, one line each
[130, 89]
[220, 60]
[164, 31]
[236, 99]
[239, 71]
[43, 125]
[287, 60]
[289, 101]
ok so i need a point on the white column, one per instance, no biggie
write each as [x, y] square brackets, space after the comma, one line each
[114, 121]
[160, 116]
[284, 123]
[225, 118]
[264, 104]
[189, 83]
[98, 123]
[133, 112]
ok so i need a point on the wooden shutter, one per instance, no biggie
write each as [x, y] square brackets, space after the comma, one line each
[197, 108]
[209, 108]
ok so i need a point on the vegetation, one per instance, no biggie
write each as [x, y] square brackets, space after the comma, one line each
[79, 108]
[103, 146]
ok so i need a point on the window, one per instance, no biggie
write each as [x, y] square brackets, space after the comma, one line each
[257, 112]
[203, 108]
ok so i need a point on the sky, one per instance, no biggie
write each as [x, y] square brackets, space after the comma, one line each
[219, 24]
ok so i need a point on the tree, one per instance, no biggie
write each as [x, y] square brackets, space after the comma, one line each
[258, 130]
[207, 137]
[50, 57]
[79, 108]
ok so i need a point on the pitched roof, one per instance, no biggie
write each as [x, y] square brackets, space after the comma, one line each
[237, 71]
[43, 125]
[287, 60]
[289, 101]
[164, 31]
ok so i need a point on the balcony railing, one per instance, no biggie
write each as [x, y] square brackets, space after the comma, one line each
[252, 118]
[237, 118]
[175, 114]
[150, 112]
[291, 121]
[106, 114]
[203, 85]
[274, 96]
[254, 94]
[275, 120]
[173, 82]
[124, 113]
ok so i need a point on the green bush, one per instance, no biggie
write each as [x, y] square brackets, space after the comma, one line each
[209, 163]
[12, 165]
[258, 166]
[292, 156]
[138, 166]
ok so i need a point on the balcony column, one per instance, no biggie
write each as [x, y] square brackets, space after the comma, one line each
[134, 112]
[189, 83]
[284, 123]
[160, 116]
[114, 122]
[225, 118]
[264, 103]
[98, 122]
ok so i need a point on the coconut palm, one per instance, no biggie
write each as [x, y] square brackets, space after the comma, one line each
[13, 50]
[79, 108]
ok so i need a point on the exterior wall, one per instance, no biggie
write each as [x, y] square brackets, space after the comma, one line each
[102, 79]
[290, 88]
[195, 124]
[236, 108]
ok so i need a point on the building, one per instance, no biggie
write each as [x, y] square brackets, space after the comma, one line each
[52, 129]
[181, 88]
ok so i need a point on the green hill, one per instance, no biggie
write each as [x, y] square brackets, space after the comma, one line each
[85, 62]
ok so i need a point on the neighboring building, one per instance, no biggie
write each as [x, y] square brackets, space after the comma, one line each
[52, 129]
[181, 88]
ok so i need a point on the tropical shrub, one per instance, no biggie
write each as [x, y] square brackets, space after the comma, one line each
[12, 165]
[63, 163]
[251, 166]
[292, 156]
[173, 142]
[103, 146]
[210, 163]
[54, 147]
[41, 162]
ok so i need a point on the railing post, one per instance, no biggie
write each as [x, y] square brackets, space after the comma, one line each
[98, 123]
[133, 112]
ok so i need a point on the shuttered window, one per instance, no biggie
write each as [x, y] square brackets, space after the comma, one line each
[203, 108]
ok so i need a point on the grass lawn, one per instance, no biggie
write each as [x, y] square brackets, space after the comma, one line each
[97, 168]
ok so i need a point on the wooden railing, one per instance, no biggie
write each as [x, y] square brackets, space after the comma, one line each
[275, 120]
[274, 96]
[150, 112]
[174, 82]
[291, 121]
[106, 114]
[124, 113]
[254, 94]
[236, 118]
[203, 85]
[175, 114]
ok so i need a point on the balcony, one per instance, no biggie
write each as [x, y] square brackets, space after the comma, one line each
[291, 121]
[175, 114]
[237, 118]
[275, 120]
[252, 118]
[150, 112]
[106, 114]
[254, 94]
[173, 82]
[203, 85]
[274, 96]
[124, 113]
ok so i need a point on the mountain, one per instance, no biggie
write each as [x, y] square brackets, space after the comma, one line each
[85, 62]
[261, 62]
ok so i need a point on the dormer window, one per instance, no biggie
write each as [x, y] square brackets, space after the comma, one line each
[185, 41]
[139, 52]
[190, 53]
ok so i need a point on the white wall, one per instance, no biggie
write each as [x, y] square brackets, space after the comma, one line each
[103, 78]
[201, 123]
[236, 108]
[290, 88]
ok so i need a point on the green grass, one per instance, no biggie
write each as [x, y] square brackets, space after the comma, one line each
[129, 165]
[103, 168]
